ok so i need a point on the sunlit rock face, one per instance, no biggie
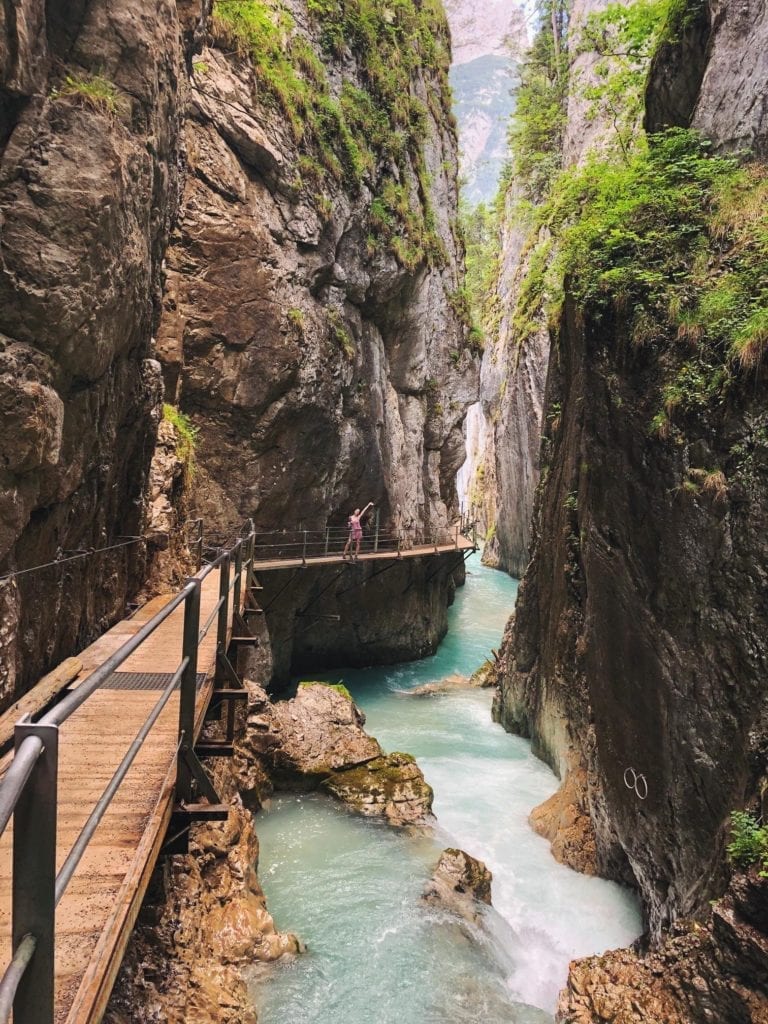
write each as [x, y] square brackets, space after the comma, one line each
[488, 39]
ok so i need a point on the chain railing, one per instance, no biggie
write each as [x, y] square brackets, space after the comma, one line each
[28, 791]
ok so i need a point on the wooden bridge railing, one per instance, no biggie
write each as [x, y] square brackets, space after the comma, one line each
[28, 791]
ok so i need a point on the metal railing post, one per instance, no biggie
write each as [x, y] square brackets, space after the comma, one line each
[199, 543]
[34, 877]
[304, 550]
[223, 622]
[188, 692]
[238, 576]
[327, 538]
[457, 536]
[376, 532]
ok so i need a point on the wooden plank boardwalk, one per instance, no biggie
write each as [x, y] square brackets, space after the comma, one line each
[462, 544]
[99, 907]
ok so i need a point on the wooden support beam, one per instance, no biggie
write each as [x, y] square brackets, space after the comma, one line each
[198, 812]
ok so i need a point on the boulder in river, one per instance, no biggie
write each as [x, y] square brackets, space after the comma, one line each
[482, 678]
[317, 739]
[300, 742]
[391, 786]
[459, 883]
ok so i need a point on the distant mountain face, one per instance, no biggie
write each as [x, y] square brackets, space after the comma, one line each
[488, 39]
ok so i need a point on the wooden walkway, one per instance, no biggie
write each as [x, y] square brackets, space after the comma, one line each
[98, 910]
[462, 544]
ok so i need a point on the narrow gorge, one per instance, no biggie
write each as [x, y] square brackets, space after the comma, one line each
[301, 303]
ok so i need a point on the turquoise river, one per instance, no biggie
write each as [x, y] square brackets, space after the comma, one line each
[350, 887]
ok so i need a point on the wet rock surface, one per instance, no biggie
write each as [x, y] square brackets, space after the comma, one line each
[459, 883]
[714, 971]
[317, 740]
[482, 679]
[391, 786]
[203, 921]
[637, 659]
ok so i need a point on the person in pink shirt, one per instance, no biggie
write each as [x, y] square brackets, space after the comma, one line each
[355, 532]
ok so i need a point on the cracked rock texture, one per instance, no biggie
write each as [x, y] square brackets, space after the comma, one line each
[202, 922]
[638, 646]
[161, 235]
[87, 196]
[459, 883]
[317, 739]
[323, 374]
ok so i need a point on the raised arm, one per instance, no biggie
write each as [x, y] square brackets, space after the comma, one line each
[369, 505]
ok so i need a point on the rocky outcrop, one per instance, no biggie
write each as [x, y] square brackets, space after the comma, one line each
[323, 363]
[719, 51]
[483, 678]
[305, 313]
[377, 612]
[459, 883]
[714, 971]
[317, 740]
[204, 920]
[391, 787]
[301, 741]
[89, 178]
[516, 358]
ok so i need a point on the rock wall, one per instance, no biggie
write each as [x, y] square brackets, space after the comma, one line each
[157, 201]
[90, 102]
[638, 647]
[514, 367]
[323, 369]
[368, 613]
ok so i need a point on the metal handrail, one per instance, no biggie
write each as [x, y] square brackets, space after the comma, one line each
[94, 819]
[29, 786]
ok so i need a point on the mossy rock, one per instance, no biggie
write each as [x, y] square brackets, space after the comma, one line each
[338, 687]
[391, 787]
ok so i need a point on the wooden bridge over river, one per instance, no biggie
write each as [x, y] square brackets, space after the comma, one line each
[106, 776]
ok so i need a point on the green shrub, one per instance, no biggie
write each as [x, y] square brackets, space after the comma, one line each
[94, 91]
[749, 840]
[369, 125]
[186, 436]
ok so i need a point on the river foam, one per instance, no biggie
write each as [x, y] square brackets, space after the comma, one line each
[350, 887]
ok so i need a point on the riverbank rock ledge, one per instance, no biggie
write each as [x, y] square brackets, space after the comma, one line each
[317, 739]
[203, 921]
[459, 883]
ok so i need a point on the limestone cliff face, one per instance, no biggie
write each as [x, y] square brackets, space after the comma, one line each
[90, 98]
[515, 362]
[639, 642]
[324, 367]
[305, 315]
